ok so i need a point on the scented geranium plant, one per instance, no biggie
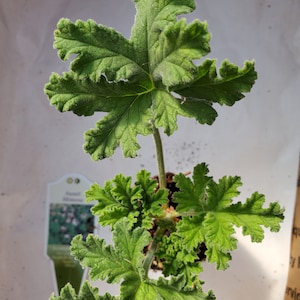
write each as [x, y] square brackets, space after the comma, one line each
[169, 222]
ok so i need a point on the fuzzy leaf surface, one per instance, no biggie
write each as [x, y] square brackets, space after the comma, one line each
[116, 200]
[99, 49]
[109, 263]
[217, 215]
[119, 198]
[151, 18]
[123, 263]
[178, 45]
[87, 292]
[169, 289]
[152, 199]
[179, 260]
[137, 81]
[227, 88]
[85, 97]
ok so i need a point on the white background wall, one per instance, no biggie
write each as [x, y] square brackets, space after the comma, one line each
[258, 138]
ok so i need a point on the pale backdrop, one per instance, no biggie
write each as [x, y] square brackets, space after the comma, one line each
[257, 139]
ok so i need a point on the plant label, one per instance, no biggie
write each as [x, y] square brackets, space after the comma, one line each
[67, 215]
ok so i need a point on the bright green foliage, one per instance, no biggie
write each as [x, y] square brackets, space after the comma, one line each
[147, 80]
[179, 259]
[87, 292]
[163, 289]
[226, 89]
[209, 214]
[142, 84]
[205, 214]
[124, 264]
[113, 264]
[118, 199]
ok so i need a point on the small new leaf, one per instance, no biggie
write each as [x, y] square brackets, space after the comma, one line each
[119, 199]
[115, 201]
[152, 198]
[178, 259]
[192, 195]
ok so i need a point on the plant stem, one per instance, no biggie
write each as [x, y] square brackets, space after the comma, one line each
[151, 252]
[160, 158]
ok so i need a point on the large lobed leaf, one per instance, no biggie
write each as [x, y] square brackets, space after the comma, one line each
[209, 214]
[147, 80]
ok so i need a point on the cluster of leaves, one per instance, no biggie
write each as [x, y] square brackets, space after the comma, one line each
[145, 81]
[142, 84]
[205, 212]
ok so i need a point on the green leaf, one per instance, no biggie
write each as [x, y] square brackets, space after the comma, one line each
[128, 104]
[119, 199]
[100, 50]
[199, 109]
[192, 229]
[85, 97]
[209, 214]
[169, 289]
[192, 195]
[251, 216]
[109, 263]
[226, 89]
[180, 259]
[173, 54]
[129, 118]
[147, 80]
[152, 198]
[114, 203]
[123, 263]
[151, 18]
[166, 108]
[220, 195]
[87, 292]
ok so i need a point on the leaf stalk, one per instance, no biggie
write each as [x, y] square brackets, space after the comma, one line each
[153, 247]
[160, 158]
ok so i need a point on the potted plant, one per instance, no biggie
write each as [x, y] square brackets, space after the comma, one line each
[169, 222]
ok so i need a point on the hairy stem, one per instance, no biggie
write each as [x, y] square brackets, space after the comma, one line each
[153, 247]
[160, 158]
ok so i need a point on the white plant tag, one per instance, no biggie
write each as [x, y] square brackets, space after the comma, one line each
[67, 214]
